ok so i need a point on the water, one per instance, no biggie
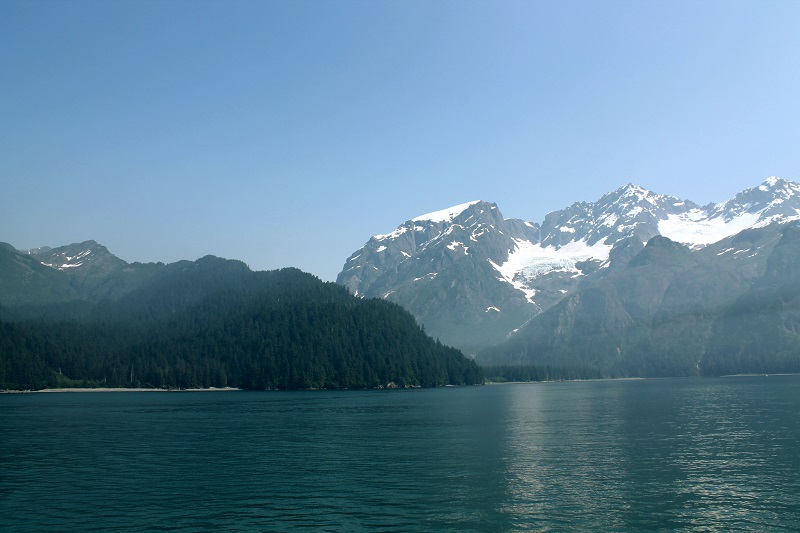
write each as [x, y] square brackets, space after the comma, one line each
[689, 455]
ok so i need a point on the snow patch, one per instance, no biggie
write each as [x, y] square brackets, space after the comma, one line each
[608, 220]
[446, 215]
[768, 183]
[696, 230]
[62, 267]
[456, 244]
[528, 261]
[393, 235]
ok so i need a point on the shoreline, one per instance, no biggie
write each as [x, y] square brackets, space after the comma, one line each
[568, 380]
[121, 389]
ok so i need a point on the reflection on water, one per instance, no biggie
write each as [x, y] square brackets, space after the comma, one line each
[565, 449]
[690, 455]
[648, 455]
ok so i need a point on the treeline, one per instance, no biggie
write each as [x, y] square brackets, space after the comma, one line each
[263, 330]
[673, 312]
[527, 373]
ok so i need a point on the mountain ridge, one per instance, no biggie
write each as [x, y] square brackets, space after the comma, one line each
[206, 323]
[422, 264]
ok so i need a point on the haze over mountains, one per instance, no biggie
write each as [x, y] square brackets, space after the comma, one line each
[596, 284]
[634, 284]
[79, 316]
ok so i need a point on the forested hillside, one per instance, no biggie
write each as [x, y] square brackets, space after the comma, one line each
[214, 323]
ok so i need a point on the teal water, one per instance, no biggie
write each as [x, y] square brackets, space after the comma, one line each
[684, 454]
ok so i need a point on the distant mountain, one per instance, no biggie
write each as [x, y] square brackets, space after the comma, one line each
[760, 331]
[25, 280]
[84, 271]
[656, 316]
[476, 280]
[79, 257]
[91, 319]
[443, 268]
[94, 272]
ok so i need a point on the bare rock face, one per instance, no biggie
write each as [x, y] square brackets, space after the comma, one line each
[475, 279]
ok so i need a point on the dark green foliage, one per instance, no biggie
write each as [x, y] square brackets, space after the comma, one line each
[214, 323]
[526, 373]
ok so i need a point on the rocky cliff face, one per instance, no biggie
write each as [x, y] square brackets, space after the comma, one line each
[475, 279]
[439, 266]
[731, 307]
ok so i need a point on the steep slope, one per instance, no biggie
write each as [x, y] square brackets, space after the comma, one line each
[75, 276]
[85, 257]
[25, 280]
[213, 322]
[659, 315]
[775, 200]
[601, 324]
[93, 271]
[436, 265]
[760, 331]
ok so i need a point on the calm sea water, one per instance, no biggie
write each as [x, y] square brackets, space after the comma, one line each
[691, 455]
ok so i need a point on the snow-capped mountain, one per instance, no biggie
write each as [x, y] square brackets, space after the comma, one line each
[432, 243]
[473, 278]
[76, 256]
[775, 200]
[439, 266]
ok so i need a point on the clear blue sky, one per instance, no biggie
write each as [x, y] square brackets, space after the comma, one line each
[287, 133]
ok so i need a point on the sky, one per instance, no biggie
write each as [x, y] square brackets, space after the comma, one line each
[286, 133]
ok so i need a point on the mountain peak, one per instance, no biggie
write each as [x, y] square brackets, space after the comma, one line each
[446, 215]
[635, 192]
[774, 200]
[76, 255]
[777, 185]
[449, 266]
[772, 182]
[632, 188]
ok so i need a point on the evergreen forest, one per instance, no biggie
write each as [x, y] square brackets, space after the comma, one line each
[215, 323]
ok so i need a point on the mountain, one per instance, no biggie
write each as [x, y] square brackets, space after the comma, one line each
[88, 256]
[94, 272]
[656, 316]
[85, 272]
[476, 280]
[760, 331]
[25, 280]
[442, 268]
[206, 323]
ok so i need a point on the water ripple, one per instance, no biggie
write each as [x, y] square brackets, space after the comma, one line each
[688, 455]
